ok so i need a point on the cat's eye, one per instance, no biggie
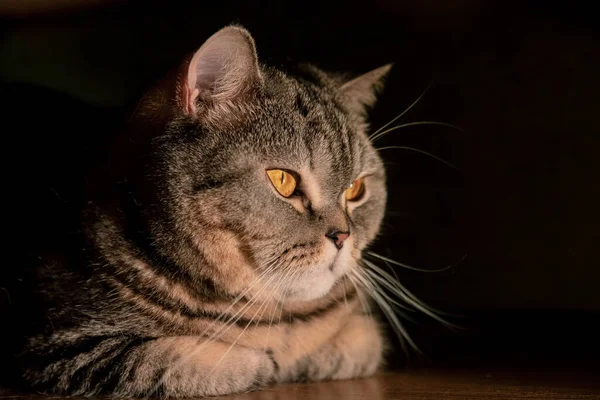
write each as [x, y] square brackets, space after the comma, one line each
[355, 191]
[283, 181]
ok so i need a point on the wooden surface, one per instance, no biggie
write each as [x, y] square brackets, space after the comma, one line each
[435, 385]
[479, 383]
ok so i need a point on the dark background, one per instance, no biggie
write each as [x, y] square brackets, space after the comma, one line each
[521, 79]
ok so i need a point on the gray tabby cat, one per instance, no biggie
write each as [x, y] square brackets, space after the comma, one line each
[221, 238]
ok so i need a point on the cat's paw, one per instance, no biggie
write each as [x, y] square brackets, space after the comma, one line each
[357, 351]
[241, 370]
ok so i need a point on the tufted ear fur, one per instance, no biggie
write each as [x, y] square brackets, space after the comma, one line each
[361, 92]
[223, 69]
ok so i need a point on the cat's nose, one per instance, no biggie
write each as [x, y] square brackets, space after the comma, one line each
[337, 237]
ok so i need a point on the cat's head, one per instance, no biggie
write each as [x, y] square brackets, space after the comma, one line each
[261, 174]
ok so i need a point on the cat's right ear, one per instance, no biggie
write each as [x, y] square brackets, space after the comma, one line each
[224, 68]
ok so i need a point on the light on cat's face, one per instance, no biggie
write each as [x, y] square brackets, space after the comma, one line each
[325, 249]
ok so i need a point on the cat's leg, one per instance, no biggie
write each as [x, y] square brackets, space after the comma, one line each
[356, 351]
[169, 366]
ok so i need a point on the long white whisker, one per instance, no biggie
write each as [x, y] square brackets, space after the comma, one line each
[389, 260]
[345, 296]
[280, 283]
[289, 282]
[388, 280]
[364, 304]
[416, 123]
[395, 323]
[232, 345]
[400, 291]
[421, 152]
[373, 285]
[403, 113]
[240, 313]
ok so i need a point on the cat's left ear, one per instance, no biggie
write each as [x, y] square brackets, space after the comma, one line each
[361, 92]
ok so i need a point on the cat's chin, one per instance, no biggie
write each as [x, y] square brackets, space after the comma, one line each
[318, 282]
[313, 289]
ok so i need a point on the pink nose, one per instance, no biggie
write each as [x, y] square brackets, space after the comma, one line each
[338, 237]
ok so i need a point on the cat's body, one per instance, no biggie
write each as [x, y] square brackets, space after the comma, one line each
[195, 275]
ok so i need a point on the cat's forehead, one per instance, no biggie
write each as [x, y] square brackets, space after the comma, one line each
[314, 134]
[310, 124]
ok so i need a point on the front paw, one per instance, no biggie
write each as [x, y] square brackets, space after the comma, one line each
[242, 370]
[356, 351]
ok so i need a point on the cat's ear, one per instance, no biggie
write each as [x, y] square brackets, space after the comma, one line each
[361, 92]
[223, 69]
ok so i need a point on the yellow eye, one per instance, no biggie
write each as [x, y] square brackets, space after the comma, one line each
[284, 182]
[355, 191]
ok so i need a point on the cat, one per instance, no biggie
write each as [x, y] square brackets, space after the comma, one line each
[221, 240]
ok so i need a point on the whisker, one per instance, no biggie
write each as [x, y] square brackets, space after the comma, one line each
[403, 113]
[364, 304]
[345, 297]
[232, 345]
[290, 282]
[404, 290]
[395, 323]
[239, 315]
[389, 260]
[394, 285]
[401, 309]
[375, 286]
[373, 138]
[422, 152]
[287, 286]
[280, 284]
[397, 288]
[410, 301]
